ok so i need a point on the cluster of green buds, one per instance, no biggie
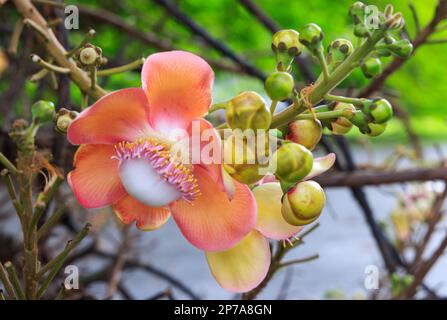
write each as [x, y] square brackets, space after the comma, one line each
[286, 46]
[374, 116]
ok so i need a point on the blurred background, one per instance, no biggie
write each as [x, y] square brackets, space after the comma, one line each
[382, 221]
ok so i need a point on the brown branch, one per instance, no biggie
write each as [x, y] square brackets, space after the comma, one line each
[56, 50]
[366, 178]
[420, 39]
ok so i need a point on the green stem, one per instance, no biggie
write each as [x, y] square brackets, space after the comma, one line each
[93, 75]
[14, 280]
[84, 101]
[217, 106]
[51, 222]
[7, 283]
[297, 261]
[345, 112]
[8, 164]
[354, 101]
[50, 67]
[89, 36]
[323, 64]
[127, 67]
[60, 258]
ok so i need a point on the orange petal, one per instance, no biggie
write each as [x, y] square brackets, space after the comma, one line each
[212, 222]
[178, 86]
[95, 180]
[270, 221]
[206, 149]
[119, 116]
[147, 218]
[243, 267]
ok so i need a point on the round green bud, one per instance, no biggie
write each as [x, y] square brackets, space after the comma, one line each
[241, 160]
[311, 36]
[380, 110]
[401, 48]
[248, 111]
[371, 67]
[293, 162]
[357, 12]
[303, 203]
[338, 51]
[361, 30]
[63, 119]
[279, 85]
[42, 111]
[305, 132]
[342, 125]
[375, 129]
[287, 41]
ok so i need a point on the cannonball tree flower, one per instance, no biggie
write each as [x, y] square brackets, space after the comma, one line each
[124, 157]
[244, 266]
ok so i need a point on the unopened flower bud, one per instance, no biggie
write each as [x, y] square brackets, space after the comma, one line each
[342, 125]
[63, 118]
[311, 36]
[371, 67]
[248, 111]
[293, 162]
[338, 51]
[241, 158]
[375, 129]
[42, 111]
[89, 56]
[401, 48]
[286, 46]
[305, 132]
[380, 110]
[303, 203]
[279, 85]
[357, 12]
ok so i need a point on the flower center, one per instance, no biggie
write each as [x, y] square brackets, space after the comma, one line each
[151, 175]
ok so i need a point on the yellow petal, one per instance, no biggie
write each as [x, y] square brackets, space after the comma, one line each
[243, 267]
[270, 220]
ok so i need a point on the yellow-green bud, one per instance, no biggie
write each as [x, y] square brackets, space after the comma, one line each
[303, 203]
[293, 162]
[42, 111]
[279, 85]
[248, 111]
[286, 46]
[241, 159]
[342, 125]
[380, 110]
[311, 36]
[338, 51]
[63, 118]
[375, 129]
[306, 132]
[371, 67]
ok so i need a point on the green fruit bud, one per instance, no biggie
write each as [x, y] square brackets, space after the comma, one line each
[279, 85]
[293, 162]
[361, 30]
[286, 46]
[63, 119]
[303, 203]
[401, 48]
[371, 67]
[311, 36]
[357, 12]
[248, 111]
[380, 110]
[338, 51]
[42, 111]
[241, 160]
[342, 125]
[375, 129]
[305, 132]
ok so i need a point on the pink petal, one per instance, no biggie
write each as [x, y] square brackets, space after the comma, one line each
[244, 266]
[178, 86]
[321, 165]
[95, 180]
[212, 222]
[121, 115]
[147, 218]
